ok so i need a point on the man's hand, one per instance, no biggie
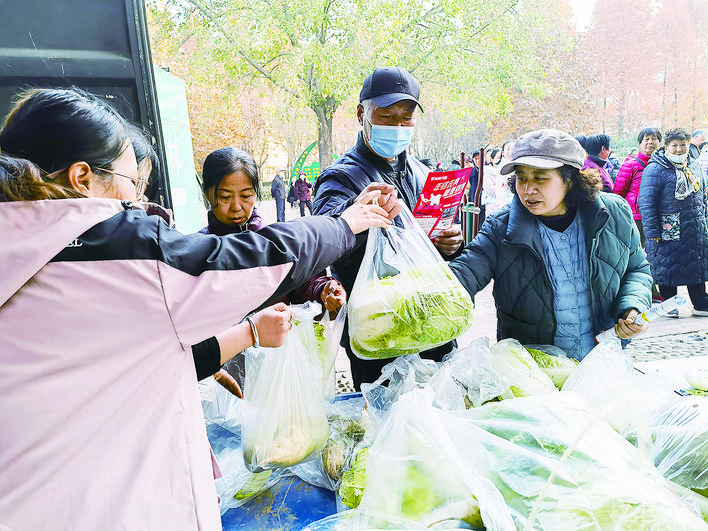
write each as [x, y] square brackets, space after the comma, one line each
[626, 327]
[388, 198]
[449, 240]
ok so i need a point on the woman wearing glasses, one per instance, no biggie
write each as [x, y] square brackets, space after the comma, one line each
[101, 420]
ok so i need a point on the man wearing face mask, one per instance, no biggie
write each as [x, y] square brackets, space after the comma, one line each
[387, 114]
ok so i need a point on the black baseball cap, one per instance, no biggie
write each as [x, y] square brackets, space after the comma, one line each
[388, 85]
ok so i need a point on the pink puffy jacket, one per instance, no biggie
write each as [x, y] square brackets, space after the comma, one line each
[628, 180]
[101, 425]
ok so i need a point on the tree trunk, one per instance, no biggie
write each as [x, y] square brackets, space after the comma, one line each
[325, 112]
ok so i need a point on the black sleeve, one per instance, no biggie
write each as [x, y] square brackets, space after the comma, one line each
[207, 357]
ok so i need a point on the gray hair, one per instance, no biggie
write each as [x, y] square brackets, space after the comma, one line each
[368, 106]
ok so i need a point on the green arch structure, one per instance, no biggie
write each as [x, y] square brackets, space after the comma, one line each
[311, 171]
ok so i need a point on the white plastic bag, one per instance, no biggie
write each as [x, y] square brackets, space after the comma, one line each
[474, 370]
[398, 377]
[328, 333]
[285, 421]
[559, 466]
[348, 424]
[418, 478]
[622, 396]
[680, 434]
[405, 298]
[223, 413]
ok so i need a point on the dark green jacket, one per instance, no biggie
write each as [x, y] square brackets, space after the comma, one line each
[509, 251]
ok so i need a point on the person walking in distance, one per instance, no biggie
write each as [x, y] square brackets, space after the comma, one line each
[303, 193]
[277, 191]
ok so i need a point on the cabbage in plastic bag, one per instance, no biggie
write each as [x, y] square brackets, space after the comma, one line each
[554, 362]
[421, 308]
[513, 362]
[680, 450]
[560, 467]
[405, 298]
[416, 477]
[285, 421]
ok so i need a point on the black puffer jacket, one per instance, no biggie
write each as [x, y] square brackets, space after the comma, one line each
[681, 257]
[509, 250]
[339, 185]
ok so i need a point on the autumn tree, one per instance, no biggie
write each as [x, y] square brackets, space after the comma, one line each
[214, 109]
[320, 50]
[681, 36]
[561, 99]
[649, 61]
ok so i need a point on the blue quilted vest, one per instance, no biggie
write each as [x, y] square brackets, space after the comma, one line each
[565, 255]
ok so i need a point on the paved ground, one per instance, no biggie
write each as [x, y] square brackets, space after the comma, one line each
[666, 338]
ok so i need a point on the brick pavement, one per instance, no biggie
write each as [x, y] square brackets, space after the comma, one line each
[665, 338]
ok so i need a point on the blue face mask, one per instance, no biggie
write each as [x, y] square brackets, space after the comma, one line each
[390, 140]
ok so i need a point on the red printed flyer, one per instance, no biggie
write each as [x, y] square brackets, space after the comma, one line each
[438, 202]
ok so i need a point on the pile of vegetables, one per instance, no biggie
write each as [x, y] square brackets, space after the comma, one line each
[417, 309]
[541, 462]
[680, 442]
[503, 449]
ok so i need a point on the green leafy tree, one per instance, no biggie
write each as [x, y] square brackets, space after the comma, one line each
[471, 52]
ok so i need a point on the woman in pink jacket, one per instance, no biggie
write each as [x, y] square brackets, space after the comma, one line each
[630, 174]
[101, 421]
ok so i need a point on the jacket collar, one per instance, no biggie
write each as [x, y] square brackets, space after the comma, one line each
[521, 226]
[521, 229]
[659, 156]
[643, 157]
[215, 226]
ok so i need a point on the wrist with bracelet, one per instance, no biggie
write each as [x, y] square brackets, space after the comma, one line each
[254, 331]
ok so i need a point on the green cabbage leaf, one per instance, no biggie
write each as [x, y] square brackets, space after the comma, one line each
[418, 309]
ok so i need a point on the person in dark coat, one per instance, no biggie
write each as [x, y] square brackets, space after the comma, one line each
[277, 192]
[698, 144]
[231, 184]
[673, 205]
[565, 258]
[597, 147]
[291, 196]
[302, 193]
[387, 113]
[473, 182]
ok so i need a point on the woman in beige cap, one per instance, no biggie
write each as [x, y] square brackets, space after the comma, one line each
[565, 258]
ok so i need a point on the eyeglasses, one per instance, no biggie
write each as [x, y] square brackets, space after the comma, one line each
[140, 184]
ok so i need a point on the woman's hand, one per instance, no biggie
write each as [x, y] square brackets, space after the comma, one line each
[333, 297]
[366, 212]
[626, 328]
[273, 324]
